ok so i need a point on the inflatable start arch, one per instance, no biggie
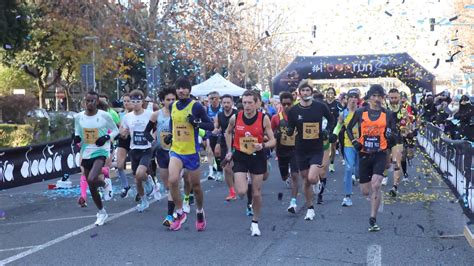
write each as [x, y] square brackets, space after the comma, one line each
[401, 66]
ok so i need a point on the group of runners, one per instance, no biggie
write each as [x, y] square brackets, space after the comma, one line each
[371, 134]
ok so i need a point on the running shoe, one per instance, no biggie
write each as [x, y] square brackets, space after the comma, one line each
[200, 222]
[148, 186]
[310, 215]
[219, 176]
[143, 205]
[124, 192]
[186, 207]
[101, 217]
[255, 231]
[320, 199]
[178, 222]
[211, 177]
[393, 192]
[168, 220]
[346, 202]
[82, 202]
[384, 181]
[249, 211]
[373, 227]
[405, 178]
[108, 190]
[157, 191]
[292, 207]
[331, 168]
[231, 196]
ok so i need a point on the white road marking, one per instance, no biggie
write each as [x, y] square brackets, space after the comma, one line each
[35, 249]
[18, 248]
[374, 255]
[52, 220]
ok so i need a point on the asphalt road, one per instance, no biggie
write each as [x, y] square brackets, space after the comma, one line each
[422, 226]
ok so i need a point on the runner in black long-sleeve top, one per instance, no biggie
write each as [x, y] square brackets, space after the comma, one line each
[307, 118]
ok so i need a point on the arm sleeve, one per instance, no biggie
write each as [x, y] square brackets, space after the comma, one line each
[115, 116]
[355, 120]
[110, 124]
[291, 122]
[199, 112]
[337, 129]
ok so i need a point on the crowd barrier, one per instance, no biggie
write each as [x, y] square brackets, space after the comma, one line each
[454, 159]
[30, 164]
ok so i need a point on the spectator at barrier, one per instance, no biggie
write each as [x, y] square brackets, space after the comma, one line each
[465, 115]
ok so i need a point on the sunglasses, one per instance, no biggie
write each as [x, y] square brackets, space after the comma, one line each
[136, 101]
[90, 101]
[286, 104]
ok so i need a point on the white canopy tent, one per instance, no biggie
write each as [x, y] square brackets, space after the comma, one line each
[217, 83]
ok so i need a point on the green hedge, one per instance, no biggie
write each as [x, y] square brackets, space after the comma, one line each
[15, 135]
[35, 131]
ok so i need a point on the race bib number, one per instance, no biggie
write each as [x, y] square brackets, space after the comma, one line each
[246, 144]
[90, 135]
[139, 138]
[183, 132]
[310, 130]
[164, 146]
[286, 140]
[372, 143]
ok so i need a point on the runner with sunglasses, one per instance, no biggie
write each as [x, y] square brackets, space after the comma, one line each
[134, 124]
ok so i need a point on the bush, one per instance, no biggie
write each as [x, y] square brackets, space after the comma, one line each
[15, 107]
[15, 135]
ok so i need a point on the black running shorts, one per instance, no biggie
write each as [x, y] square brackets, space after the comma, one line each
[254, 164]
[371, 164]
[140, 157]
[287, 163]
[306, 160]
[88, 163]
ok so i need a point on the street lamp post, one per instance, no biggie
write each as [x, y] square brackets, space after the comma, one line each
[93, 38]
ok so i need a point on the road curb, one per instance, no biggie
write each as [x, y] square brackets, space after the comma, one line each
[468, 229]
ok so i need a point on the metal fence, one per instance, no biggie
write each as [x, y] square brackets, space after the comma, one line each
[454, 159]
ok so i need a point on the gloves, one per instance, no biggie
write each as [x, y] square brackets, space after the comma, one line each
[76, 139]
[278, 135]
[332, 138]
[168, 139]
[325, 134]
[290, 131]
[357, 145]
[102, 140]
[192, 121]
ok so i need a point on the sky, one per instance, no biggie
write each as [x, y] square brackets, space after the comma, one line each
[348, 27]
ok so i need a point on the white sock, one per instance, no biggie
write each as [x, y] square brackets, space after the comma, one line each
[211, 170]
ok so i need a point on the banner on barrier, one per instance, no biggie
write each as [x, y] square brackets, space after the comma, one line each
[30, 164]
